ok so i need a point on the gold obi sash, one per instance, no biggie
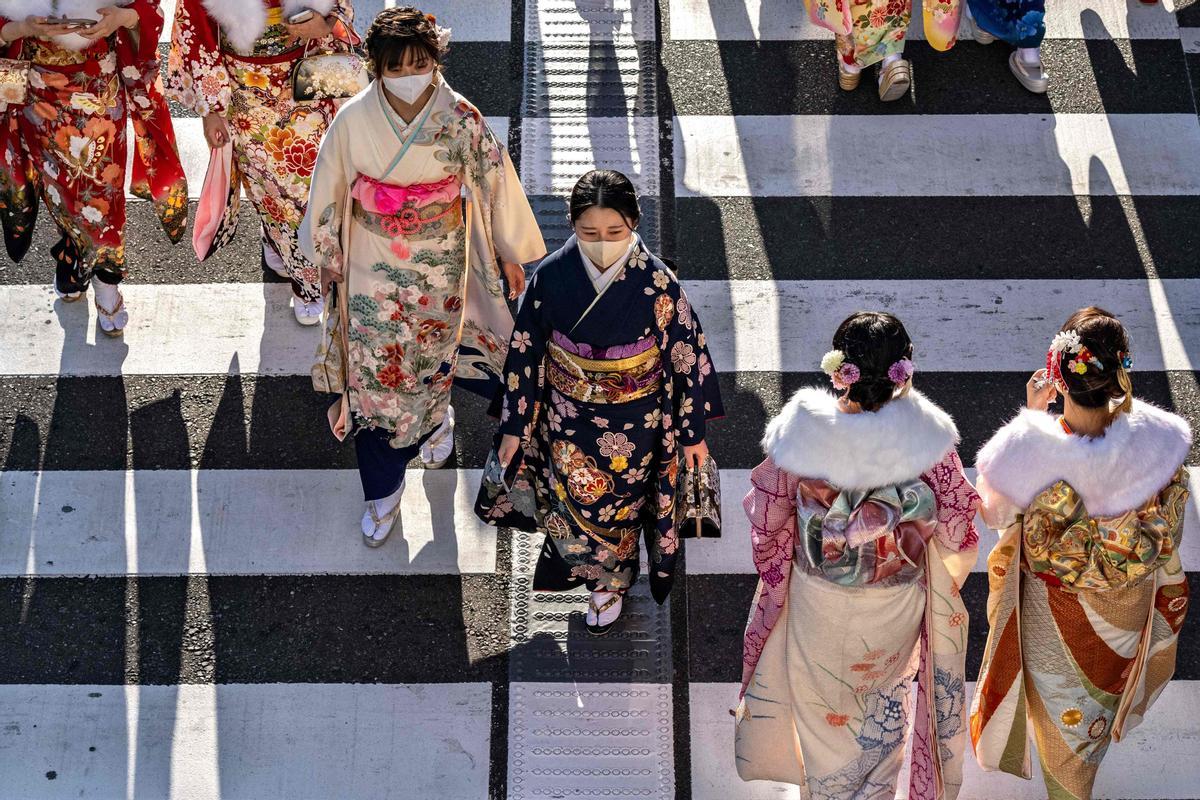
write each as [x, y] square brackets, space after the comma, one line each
[606, 381]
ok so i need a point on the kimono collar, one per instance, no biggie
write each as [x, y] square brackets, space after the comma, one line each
[243, 21]
[811, 438]
[1138, 455]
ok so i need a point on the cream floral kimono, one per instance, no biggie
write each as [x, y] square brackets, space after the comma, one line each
[393, 228]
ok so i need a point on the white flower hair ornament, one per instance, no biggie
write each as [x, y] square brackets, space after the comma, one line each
[443, 34]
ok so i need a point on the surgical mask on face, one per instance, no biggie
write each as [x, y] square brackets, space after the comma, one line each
[408, 87]
[604, 254]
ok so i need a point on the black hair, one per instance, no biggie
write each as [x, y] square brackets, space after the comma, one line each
[1105, 338]
[872, 341]
[395, 31]
[605, 188]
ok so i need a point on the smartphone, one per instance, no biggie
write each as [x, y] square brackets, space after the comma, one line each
[301, 17]
[76, 23]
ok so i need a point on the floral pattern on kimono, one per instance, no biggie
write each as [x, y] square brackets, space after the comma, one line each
[908, 623]
[275, 139]
[401, 248]
[867, 31]
[1021, 23]
[68, 144]
[605, 473]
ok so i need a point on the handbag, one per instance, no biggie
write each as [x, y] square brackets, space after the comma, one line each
[14, 82]
[698, 510]
[330, 75]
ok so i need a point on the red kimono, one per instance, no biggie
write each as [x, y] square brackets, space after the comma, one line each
[67, 143]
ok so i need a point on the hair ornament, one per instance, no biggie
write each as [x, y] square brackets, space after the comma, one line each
[901, 372]
[1066, 342]
[443, 34]
[1126, 361]
[840, 371]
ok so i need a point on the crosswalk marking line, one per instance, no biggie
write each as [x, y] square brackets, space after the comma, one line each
[941, 155]
[762, 20]
[731, 553]
[1169, 734]
[194, 151]
[247, 328]
[204, 742]
[234, 522]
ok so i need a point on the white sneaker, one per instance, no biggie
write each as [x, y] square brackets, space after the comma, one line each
[307, 313]
[437, 448]
[380, 518]
[111, 313]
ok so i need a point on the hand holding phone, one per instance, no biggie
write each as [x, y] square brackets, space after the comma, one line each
[72, 23]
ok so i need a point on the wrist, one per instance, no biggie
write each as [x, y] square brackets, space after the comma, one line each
[130, 19]
[13, 31]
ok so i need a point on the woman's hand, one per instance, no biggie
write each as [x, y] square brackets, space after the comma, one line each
[35, 28]
[515, 275]
[695, 454]
[112, 19]
[1040, 391]
[216, 130]
[508, 449]
[317, 27]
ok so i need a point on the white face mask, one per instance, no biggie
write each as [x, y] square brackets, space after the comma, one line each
[408, 87]
[604, 254]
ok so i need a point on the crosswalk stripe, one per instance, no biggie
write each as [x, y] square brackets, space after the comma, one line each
[233, 522]
[732, 554]
[1168, 734]
[194, 151]
[763, 20]
[937, 155]
[205, 742]
[247, 327]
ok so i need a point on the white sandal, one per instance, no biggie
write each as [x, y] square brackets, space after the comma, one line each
[375, 528]
[595, 613]
[437, 448]
[112, 321]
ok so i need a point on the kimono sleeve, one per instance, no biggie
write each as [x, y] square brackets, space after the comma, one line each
[957, 503]
[321, 230]
[695, 394]
[150, 25]
[514, 232]
[196, 74]
[522, 368]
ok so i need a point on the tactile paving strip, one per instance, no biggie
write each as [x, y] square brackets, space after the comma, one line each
[594, 740]
[550, 643]
[596, 79]
[556, 150]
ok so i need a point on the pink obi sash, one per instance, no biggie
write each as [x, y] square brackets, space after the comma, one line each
[402, 213]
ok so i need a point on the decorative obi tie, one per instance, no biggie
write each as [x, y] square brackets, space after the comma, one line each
[861, 537]
[1065, 546]
[604, 375]
[404, 213]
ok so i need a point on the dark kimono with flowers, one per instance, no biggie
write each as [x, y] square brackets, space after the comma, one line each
[604, 407]
[1021, 23]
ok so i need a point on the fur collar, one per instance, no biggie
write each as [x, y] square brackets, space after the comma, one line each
[812, 439]
[243, 21]
[1130, 464]
[87, 9]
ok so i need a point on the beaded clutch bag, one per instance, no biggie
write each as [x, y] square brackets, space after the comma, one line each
[698, 506]
[14, 82]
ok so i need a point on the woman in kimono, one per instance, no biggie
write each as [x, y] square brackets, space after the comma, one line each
[862, 529]
[1022, 24]
[231, 62]
[870, 32]
[66, 141]
[386, 221]
[607, 378]
[1087, 592]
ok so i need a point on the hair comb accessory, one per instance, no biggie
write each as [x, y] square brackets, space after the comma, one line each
[840, 371]
[1126, 361]
[901, 372]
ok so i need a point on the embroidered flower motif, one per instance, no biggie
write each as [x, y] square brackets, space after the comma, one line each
[521, 340]
[1072, 717]
[957, 618]
[683, 357]
[618, 463]
[661, 280]
[615, 444]
[861, 667]
[837, 720]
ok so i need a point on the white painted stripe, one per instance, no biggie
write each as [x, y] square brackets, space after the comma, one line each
[752, 325]
[234, 522]
[556, 151]
[168, 12]
[762, 20]
[194, 151]
[937, 155]
[601, 21]
[584, 739]
[731, 554]
[1191, 39]
[206, 742]
[1167, 737]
